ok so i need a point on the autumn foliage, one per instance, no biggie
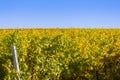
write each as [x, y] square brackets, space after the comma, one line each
[61, 54]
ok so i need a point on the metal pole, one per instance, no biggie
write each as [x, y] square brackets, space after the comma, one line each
[15, 60]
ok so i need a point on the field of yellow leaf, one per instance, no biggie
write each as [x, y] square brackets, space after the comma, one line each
[61, 54]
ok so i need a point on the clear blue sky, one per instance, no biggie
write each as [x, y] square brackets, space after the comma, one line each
[59, 13]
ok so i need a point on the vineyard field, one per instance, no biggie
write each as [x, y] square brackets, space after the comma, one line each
[61, 54]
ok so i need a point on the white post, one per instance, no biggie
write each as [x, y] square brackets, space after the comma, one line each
[15, 60]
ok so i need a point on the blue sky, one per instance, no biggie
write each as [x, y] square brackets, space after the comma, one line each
[59, 13]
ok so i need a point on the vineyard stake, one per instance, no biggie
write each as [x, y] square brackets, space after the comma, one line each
[14, 51]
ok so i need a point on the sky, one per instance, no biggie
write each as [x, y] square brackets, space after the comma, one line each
[59, 13]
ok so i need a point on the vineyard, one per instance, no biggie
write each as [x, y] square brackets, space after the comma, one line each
[61, 54]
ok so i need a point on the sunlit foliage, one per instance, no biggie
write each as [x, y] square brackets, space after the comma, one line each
[61, 54]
